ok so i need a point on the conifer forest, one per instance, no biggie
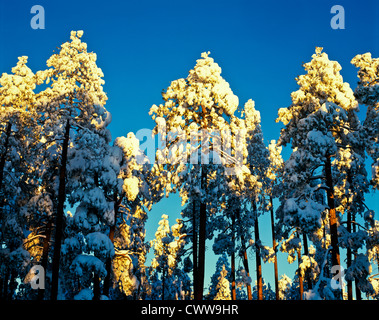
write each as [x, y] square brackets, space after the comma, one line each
[75, 200]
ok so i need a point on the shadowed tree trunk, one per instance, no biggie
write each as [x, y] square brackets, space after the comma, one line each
[233, 261]
[358, 295]
[301, 285]
[348, 259]
[306, 253]
[274, 246]
[202, 239]
[332, 215]
[4, 155]
[108, 263]
[194, 250]
[258, 255]
[60, 214]
[45, 254]
[244, 257]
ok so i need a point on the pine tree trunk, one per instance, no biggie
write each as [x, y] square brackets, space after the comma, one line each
[332, 215]
[194, 250]
[348, 259]
[244, 257]
[233, 275]
[306, 253]
[108, 264]
[5, 288]
[202, 238]
[233, 261]
[358, 295]
[60, 214]
[4, 155]
[96, 287]
[201, 254]
[163, 282]
[96, 277]
[274, 246]
[258, 255]
[301, 285]
[246, 266]
[45, 255]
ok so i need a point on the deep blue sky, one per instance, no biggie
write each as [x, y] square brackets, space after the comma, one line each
[143, 45]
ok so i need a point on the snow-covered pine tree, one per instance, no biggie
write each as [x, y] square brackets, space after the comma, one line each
[74, 100]
[258, 164]
[222, 262]
[20, 133]
[167, 246]
[274, 172]
[367, 93]
[131, 193]
[85, 185]
[194, 108]
[316, 124]
[223, 286]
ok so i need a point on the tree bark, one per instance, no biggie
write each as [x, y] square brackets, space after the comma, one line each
[258, 255]
[96, 287]
[306, 253]
[233, 261]
[4, 155]
[112, 228]
[45, 255]
[332, 215]
[194, 250]
[301, 284]
[348, 259]
[274, 246]
[244, 257]
[202, 238]
[60, 214]
[201, 255]
[358, 295]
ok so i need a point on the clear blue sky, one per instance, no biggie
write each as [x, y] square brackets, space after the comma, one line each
[143, 45]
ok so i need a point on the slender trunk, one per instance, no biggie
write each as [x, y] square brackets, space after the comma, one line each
[233, 261]
[60, 214]
[274, 246]
[45, 255]
[108, 264]
[1, 287]
[244, 257]
[348, 259]
[301, 285]
[358, 295]
[4, 155]
[233, 275]
[349, 252]
[258, 255]
[246, 266]
[201, 257]
[332, 215]
[96, 277]
[12, 285]
[5, 289]
[163, 282]
[306, 253]
[194, 250]
[202, 238]
[96, 287]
